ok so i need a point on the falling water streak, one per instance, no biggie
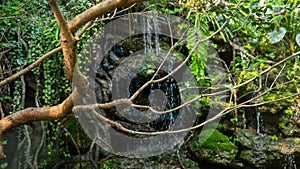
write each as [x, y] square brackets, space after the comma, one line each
[289, 162]
[244, 119]
[149, 36]
[258, 122]
[157, 32]
[259, 119]
[145, 36]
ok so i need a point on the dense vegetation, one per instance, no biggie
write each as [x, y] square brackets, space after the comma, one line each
[254, 36]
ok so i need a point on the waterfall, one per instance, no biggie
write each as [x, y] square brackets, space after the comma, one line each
[244, 118]
[259, 119]
[157, 32]
[258, 122]
[289, 162]
[150, 24]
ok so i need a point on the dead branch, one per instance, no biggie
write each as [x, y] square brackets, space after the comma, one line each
[270, 68]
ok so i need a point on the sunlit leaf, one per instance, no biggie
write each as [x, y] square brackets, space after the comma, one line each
[182, 26]
[277, 35]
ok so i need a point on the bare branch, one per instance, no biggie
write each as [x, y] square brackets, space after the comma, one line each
[180, 106]
[67, 39]
[35, 114]
[39, 61]
[30, 67]
[61, 21]
[152, 81]
[222, 113]
[98, 10]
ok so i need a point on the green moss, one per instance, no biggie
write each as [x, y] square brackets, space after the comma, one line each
[212, 146]
[216, 141]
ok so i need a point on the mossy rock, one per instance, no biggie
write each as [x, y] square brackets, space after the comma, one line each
[165, 161]
[216, 149]
[255, 158]
[259, 150]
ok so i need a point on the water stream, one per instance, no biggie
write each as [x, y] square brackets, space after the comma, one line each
[289, 162]
[244, 118]
[258, 122]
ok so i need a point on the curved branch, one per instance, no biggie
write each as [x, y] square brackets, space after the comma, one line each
[67, 40]
[34, 114]
[38, 62]
[61, 21]
[74, 25]
[70, 51]
[98, 10]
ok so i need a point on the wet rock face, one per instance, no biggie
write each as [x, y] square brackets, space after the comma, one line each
[105, 76]
[217, 149]
[262, 151]
[257, 149]
[165, 161]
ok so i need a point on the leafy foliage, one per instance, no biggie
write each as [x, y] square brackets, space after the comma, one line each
[264, 32]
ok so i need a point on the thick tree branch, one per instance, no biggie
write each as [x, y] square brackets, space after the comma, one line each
[67, 39]
[61, 21]
[98, 10]
[35, 114]
[69, 48]
[74, 25]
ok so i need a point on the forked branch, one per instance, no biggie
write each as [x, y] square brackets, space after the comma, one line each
[70, 51]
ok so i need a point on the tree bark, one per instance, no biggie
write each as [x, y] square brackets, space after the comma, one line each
[70, 57]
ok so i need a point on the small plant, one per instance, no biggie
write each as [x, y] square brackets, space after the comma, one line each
[234, 120]
[4, 165]
[274, 138]
[240, 165]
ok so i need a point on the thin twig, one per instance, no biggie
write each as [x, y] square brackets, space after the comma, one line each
[178, 67]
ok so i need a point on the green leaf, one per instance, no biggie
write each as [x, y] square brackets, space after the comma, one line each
[4, 142]
[229, 86]
[255, 65]
[272, 55]
[182, 26]
[298, 39]
[277, 35]
[4, 165]
[57, 34]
